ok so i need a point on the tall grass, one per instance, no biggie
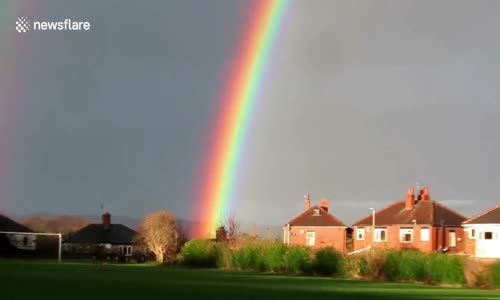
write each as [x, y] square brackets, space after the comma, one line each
[406, 265]
[200, 253]
[297, 259]
[272, 256]
[495, 274]
[412, 265]
[446, 268]
[249, 258]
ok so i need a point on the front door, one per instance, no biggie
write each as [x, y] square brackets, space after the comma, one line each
[452, 239]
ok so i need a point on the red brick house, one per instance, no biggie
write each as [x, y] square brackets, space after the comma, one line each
[316, 228]
[417, 222]
[483, 234]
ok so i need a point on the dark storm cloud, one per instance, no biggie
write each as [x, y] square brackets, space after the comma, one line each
[360, 100]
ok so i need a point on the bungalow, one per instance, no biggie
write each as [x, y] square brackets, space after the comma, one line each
[20, 241]
[417, 222]
[114, 238]
[483, 234]
[316, 228]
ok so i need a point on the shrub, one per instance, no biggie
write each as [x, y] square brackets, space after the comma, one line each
[376, 263]
[274, 254]
[249, 258]
[409, 265]
[495, 274]
[224, 257]
[446, 268]
[413, 265]
[297, 259]
[483, 281]
[370, 264]
[200, 253]
[328, 262]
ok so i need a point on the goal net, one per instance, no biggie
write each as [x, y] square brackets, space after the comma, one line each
[31, 244]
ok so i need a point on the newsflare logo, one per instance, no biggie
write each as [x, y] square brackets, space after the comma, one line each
[24, 24]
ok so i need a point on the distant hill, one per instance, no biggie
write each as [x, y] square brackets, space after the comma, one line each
[262, 230]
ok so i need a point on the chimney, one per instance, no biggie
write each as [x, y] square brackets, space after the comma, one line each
[410, 198]
[308, 202]
[221, 234]
[425, 194]
[106, 220]
[324, 204]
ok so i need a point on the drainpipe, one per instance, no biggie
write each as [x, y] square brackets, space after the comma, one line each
[288, 234]
[443, 235]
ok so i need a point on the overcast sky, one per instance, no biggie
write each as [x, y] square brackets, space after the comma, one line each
[361, 100]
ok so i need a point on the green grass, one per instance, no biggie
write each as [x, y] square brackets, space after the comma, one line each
[43, 280]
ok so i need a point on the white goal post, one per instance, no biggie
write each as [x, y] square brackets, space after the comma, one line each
[59, 235]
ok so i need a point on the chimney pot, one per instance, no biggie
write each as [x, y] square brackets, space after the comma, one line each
[425, 194]
[410, 199]
[411, 191]
[324, 204]
[308, 202]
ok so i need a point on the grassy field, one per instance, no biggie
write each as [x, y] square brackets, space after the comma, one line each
[44, 280]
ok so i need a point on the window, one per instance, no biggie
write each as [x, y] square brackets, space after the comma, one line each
[488, 235]
[126, 250]
[311, 238]
[406, 235]
[360, 234]
[316, 212]
[424, 234]
[380, 235]
[472, 233]
[25, 241]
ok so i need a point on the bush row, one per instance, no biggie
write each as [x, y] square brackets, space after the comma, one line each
[412, 265]
[254, 256]
[265, 256]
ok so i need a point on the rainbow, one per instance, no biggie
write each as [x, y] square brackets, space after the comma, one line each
[13, 63]
[235, 108]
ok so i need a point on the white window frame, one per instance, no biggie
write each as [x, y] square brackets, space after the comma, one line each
[493, 235]
[310, 235]
[403, 232]
[472, 233]
[126, 250]
[316, 212]
[377, 235]
[425, 237]
[360, 232]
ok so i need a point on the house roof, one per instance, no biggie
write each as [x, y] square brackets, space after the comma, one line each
[428, 212]
[308, 218]
[7, 224]
[115, 234]
[491, 216]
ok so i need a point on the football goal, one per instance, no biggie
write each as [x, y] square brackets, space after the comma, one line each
[27, 243]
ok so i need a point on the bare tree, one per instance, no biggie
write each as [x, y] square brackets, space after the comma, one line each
[64, 224]
[232, 227]
[182, 235]
[159, 234]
